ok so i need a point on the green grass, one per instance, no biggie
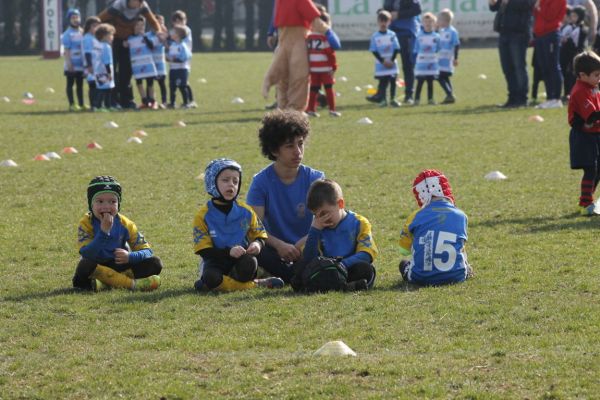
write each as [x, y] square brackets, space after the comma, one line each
[525, 327]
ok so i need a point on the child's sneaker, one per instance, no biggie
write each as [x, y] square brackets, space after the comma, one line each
[383, 103]
[192, 104]
[395, 103]
[271, 106]
[588, 210]
[333, 113]
[374, 99]
[270, 283]
[74, 107]
[313, 114]
[449, 100]
[147, 284]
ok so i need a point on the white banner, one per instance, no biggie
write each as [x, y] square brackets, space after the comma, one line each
[357, 19]
[52, 31]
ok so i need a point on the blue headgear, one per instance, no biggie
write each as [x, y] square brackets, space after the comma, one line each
[70, 13]
[212, 171]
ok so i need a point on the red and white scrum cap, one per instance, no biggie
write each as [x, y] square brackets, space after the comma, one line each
[429, 183]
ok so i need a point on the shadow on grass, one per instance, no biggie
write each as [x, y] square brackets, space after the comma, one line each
[426, 109]
[542, 224]
[47, 295]
[200, 123]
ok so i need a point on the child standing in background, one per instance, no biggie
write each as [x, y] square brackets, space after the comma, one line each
[178, 57]
[448, 54]
[322, 64]
[103, 67]
[427, 46]
[89, 47]
[573, 35]
[160, 61]
[73, 67]
[179, 18]
[385, 47]
[142, 62]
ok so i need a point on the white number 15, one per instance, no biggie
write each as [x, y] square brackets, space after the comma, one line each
[444, 244]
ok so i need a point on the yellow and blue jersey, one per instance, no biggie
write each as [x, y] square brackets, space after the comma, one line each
[96, 245]
[434, 237]
[351, 241]
[214, 228]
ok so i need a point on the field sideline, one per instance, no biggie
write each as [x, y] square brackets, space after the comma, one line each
[525, 327]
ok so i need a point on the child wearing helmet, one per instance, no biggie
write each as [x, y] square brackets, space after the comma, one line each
[72, 39]
[228, 235]
[433, 237]
[113, 252]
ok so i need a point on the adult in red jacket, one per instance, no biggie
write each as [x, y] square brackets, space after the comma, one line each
[289, 68]
[548, 16]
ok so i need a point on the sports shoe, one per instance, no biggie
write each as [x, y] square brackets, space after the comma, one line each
[192, 104]
[271, 106]
[374, 99]
[383, 103]
[588, 210]
[555, 103]
[270, 283]
[313, 114]
[147, 284]
[74, 107]
[333, 113]
[449, 100]
[395, 103]
[354, 286]
[409, 101]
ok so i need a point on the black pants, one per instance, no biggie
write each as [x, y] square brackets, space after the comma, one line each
[143, 269]
[362, 270]
[241, 269]
[444, 80]
[420, 81]
[384, 81]
[407, 47]
[178, 78]
[103, 98]
[163, 88]
[270, 261]
[123, 92]
[77, 79]
[91, 92]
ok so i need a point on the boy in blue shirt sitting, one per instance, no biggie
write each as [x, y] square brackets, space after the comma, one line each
[339, 233]
[434, 236]
[227, 234]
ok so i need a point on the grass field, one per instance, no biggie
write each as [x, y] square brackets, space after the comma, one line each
[525, 327]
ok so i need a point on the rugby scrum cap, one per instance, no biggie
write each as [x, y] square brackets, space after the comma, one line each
[212, 171]
[71, 12]
[103, 184]
[429, 183]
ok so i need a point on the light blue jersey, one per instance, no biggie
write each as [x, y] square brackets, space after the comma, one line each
[93, 47]
[71, 40]
[286, 216]
[158, 54]
[142, 61]
[385, 43]
[449, 39]
[179, 56]
[434, 237]
[104, 80]
[427, 46]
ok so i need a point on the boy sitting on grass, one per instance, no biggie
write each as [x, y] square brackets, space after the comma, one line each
[434, 236]
[339, 233]
[113, 252]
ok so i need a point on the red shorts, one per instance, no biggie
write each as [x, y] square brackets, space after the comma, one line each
[321, 78]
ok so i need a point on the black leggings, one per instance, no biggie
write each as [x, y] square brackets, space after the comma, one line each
[420, 81]
[92, 92]
[382, 87]
[85, 268]
[444, 80]
[362, 270]
[242, 269]
[163, 88]
[78, 81]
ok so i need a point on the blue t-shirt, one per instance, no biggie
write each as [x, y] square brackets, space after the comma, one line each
[93, 47]
[103, 80]
[142, 61]
[286, 216]
[448, 41]
[427, 46]
[384, 43]
[158, 54]
[71, 40]
[435, 236]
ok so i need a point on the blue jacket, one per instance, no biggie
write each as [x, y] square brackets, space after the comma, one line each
[407, 22]
[516, 17]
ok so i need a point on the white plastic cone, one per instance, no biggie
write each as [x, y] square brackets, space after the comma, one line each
[111, 124]
[365, 121]
[180, 124]
[52, 155]
[140, 134]
[28, 95]
[237, 100]
[536, 118]
[49, 90]
[482, 76]
[202, 80]
[343, 79]
[6, 99]
[8, 163]
[335, 348]
[495, 176]
[357, 88]
[134, 139]
[369, 86]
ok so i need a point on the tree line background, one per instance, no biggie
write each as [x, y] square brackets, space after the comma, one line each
[217, 25]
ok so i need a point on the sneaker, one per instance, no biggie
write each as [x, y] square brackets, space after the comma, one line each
[431, 102]
[147, 284]
[74, 108]
[449, 100]
[383, 103]
[271, 106]
[555, 103]
[588, 210]
[98, 286]
[333, 113]
[162, 106]
[395, 103]
[313, 114]
[374, 99]
[270, 283]
[409, 101]
[192, 104]
[354, 286]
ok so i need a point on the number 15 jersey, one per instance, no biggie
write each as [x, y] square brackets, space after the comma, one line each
[434, 236]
